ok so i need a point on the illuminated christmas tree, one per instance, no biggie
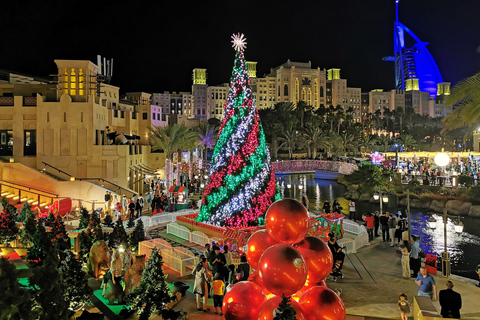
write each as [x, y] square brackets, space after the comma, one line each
[241, 183]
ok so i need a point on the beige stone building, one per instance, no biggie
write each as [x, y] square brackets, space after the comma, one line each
[79, 129]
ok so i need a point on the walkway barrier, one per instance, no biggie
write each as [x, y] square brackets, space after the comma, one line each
[176, 258]
[348, 243]
[352, 227]
[200, 238]
[179, 231]
[167, 217]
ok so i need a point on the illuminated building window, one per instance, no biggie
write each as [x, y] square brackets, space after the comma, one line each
[304, 95]
[297, 90]
[81, 82]
[309, 97]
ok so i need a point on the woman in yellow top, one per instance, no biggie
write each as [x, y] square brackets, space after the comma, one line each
[218, 290]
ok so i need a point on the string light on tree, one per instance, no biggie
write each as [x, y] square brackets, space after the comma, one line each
[241, 183]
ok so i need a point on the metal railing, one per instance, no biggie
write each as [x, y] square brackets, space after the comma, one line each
[22, 192]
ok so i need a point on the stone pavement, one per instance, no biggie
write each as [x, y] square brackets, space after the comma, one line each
[370, 288]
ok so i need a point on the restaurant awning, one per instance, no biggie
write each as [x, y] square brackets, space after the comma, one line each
[176, 189]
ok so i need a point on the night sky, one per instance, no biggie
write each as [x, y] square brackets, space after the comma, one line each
[156, 46]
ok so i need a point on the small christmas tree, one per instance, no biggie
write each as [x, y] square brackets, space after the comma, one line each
[108, 220]
[41, 245]
[84, 218]
[152, 294]
[15, 302]
[118, 236]
[137, 235]
[241, 184]
[94, 221]
[131, 221]
[60, 237]
[98, 234]
[86, 241]
[50, 220]
[285, 310]
[48, 292]
[8, 228]
[24, 212]
[28, 230]
[75, 285]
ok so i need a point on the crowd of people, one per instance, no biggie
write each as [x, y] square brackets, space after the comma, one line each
[215, 274]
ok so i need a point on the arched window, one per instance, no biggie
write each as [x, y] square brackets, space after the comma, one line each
[304, 95]
[315, 93]
[321, 92]
[285, 90]
[309, 97]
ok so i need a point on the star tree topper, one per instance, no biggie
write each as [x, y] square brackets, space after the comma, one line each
[239, 42]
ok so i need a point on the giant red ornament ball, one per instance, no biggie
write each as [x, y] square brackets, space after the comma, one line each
[243, 301]
[320, 303]
[257, 244]
[318, 256]
[308, 285]
[283, 269]
[255, 278]
[287, 221]
[267, 311]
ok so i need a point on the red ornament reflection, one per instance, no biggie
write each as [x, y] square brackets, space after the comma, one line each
[268, 308]
[320, 303]
[255, 278]
[318, 256]
[287, 221]
[257, 244]
[283, 269]
[243, 301]
[308, 285]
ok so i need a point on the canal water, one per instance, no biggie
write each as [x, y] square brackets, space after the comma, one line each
[464, 248]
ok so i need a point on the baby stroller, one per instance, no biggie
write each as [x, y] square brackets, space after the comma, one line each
[339, 258]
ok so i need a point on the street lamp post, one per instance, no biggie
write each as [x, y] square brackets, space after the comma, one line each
[446, 267]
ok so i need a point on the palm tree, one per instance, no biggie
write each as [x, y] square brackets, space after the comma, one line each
[407, 141]
[465, 98]
[366, 142]
[384, 140]
[173, 138]
[313, 135]
[207, 138]
[345, 143]
[290, 139]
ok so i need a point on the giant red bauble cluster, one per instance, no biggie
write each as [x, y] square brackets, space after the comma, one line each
[286, 262]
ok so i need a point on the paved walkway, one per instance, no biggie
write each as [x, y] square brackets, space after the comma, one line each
[370, 288]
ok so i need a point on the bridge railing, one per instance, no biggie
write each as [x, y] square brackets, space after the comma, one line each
[313, 165]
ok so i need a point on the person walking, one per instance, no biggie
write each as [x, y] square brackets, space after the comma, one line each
[404, 305]
[370, 221]
[243, 268]
[384, 225]
[426, 285]
[336, 206]
[351, 208]
[405, 263]
[450, 301]
[401, 227]
[108, 202]
[392, 224]
[200, 286]
[218, 290]
[326, 206]
[376, 219]
[414, 258]
[218, 261]
[138, 209]
[131, 208]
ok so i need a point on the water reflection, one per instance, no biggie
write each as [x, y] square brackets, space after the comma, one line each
[464, 248]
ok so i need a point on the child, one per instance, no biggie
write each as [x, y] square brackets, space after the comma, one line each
[218, 290]
[232, 275]
[404, 305]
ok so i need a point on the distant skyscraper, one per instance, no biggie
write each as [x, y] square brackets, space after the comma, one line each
[413, 61]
